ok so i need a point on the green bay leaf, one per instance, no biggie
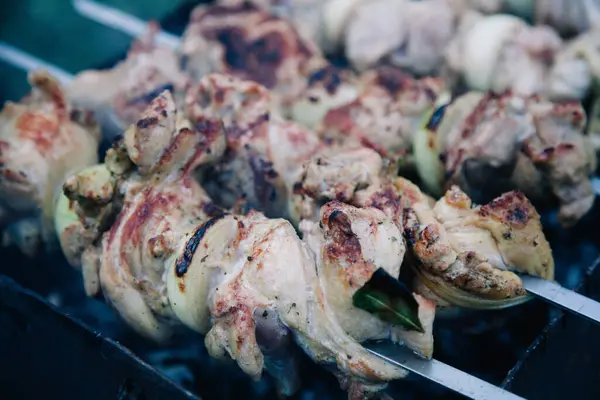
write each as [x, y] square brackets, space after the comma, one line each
[390, 300]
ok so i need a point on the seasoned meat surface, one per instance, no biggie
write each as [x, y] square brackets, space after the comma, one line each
[469, 248]
[42, 140]
[524, 143]
[250, 43]
[389, 106]
[165, 254]
[120, 94]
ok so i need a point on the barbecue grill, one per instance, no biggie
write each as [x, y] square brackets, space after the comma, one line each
[55, 342]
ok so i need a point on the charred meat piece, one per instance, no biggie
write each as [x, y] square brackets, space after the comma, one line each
[250, 43]
[473, 249]
[264, 152]
[170, 256]
[120, 94]
[489, 144]
[388, 109]
[305, 14]
[42, 140]
[409, 34]
[466, 253]
[351, 244]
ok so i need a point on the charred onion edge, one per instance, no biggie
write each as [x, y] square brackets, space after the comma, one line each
[183, 261]
[461, 298]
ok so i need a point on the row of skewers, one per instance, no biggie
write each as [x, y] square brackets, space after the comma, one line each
[248, 135]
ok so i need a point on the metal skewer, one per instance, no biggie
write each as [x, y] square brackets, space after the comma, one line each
[559, 296]
[22, 60]
[440, 373]
[122, 22]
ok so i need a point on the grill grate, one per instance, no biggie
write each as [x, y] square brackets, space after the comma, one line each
[527, 349]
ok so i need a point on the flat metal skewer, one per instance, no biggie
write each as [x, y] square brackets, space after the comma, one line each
[559, 296]
[25, 61]
[440, 373]
[122, 22]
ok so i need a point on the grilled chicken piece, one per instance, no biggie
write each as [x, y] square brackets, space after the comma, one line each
[42, 140]
[413, 34]
[501, 52]
[169, 255]
[387, 110]
[474, 248]
[351, 244]
[120, 94]
[462, 249]
[250, 43]
[490, 144]
[568, 17]
[305, 14]
[264, 152]
[333, 175]
[155, 203]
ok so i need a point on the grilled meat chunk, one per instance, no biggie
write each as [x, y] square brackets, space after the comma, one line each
[118, 95]
[168, 255]
[489, 144]
[389, 106]
[264, 151]
[464, 249]
[351, 244]
[42, 140]
[248, 42]
[501, 52]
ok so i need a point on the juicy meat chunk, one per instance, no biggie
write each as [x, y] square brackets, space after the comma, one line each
[264, 151]
[118, 95]
[467, 249]
[248, 42]
[168, 255]
[524, 143]
[351, 244]
[501, 52]
[387, 110]
[42, 140]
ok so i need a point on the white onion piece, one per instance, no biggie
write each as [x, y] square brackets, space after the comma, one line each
[482, 47]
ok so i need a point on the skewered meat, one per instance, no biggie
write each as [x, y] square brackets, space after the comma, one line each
[466, 252]
[171, 255]
[489, 144]
[42, 140]
[305, 14]
[118, 95]
[412, 34]
[351, 244]
[248, 42]
[566, 16]
[264, 151]
[386, 112]
[501, 52]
